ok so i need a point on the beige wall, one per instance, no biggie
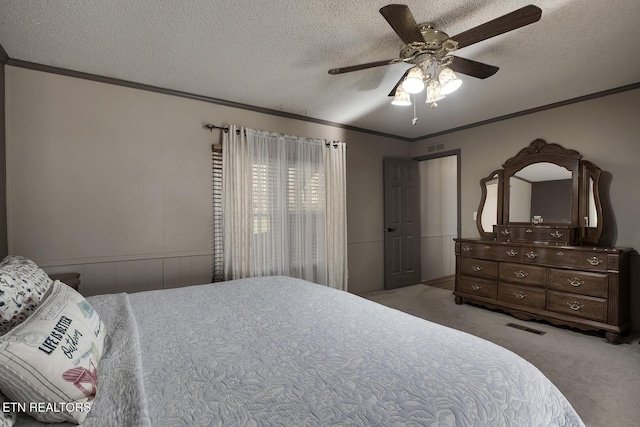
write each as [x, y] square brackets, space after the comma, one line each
[604, 130]
[116, 182]
[3, 163]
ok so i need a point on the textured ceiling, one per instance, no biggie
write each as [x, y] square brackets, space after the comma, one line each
[275, 54]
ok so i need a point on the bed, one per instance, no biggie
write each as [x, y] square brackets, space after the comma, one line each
[278, 351]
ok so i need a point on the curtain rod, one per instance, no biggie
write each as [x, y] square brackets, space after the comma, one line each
[211, 127]
[225, 129]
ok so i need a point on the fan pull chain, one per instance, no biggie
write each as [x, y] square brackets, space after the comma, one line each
[415, 119]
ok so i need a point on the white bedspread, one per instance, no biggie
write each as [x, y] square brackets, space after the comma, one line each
[284, 352]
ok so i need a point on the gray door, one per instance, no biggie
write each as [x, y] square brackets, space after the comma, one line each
[402, 223]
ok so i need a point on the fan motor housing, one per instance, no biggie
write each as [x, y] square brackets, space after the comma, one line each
[433, 39]
[436, 43]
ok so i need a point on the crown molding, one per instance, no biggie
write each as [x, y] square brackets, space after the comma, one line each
[126, 83]
[533, 110]
[5, 59]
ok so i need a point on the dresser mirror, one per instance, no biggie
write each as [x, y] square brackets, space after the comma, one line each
[490, 211]
[544, 184]
[541, 193]
[591, 208]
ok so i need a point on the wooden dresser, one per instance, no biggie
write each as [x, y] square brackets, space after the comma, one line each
[586, 287]
[541, 253]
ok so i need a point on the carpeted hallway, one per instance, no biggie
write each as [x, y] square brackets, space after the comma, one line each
[601, 380]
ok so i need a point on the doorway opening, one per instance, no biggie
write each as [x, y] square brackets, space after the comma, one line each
[440, 216]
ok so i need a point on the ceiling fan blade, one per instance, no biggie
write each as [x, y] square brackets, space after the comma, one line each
[393, 92]
[351, 68]
[472, 68]
[401, 20]
[511, 21]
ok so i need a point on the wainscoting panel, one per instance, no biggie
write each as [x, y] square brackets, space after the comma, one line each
[438, 257]
[139, 275]
[366, 266]
[185, 271]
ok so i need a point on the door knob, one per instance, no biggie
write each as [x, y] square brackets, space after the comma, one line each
[389, 229]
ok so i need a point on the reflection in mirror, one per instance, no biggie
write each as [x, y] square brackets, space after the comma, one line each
[591, 220]
[489, 214]
[490, 208]
[541, 189]
[591, 217]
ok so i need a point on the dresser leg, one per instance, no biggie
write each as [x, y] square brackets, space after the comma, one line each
[459, 300]
[613, 337]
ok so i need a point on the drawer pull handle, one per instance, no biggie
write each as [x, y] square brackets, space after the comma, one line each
[466, 248]
[556, 234]
[560, 253]
[476, 267]
[521, 274]
[531, 255]
[520, 295]
[594, 260]
[487, 247]
[505, 232]
[511, 252]
[476, 287]
[575, 305]
[576, 282]
[528, 230]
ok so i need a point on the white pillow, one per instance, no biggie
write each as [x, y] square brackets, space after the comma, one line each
[22, 285]
[52, 358]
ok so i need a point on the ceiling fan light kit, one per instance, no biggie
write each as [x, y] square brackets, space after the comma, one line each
[428, 49]
[414, 82]
[401, 97]
[434, 92]
[449, 82]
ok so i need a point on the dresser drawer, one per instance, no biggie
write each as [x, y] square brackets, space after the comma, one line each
[488, 251]
[593, 284]
[563, 257]
[577, 305]
[476, 286]
[522, 295]
[478, 267]
[538, 255]
[535, 233]
[522, 274]
[584, 260]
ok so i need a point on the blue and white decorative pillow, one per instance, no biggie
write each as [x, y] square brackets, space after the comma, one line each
[22, 286]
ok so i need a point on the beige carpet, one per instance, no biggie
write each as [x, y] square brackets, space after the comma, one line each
[601, 380]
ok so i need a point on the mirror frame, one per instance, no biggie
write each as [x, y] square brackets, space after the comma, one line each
[581, 171]
[483, 199]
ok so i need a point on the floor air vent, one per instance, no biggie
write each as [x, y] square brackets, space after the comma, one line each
[524, 328]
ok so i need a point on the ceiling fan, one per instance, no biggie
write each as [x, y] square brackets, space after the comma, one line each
[430, 50]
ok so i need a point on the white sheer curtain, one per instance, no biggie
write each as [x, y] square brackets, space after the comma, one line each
[237, 206]
[335, 170]
[284, 207]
